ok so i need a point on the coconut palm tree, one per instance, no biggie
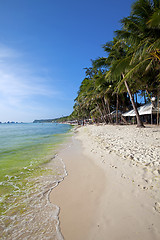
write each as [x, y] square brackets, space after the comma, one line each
[119, 59]
[140, 31]
[133, 61]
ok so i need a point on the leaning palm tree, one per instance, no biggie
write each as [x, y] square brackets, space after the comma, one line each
[141, 31]
[133, 60]
[119, 58]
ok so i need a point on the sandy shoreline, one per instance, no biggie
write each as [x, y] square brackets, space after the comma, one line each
[112, 188]
[79, 193]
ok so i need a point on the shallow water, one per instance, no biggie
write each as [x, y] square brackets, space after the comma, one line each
[28, 172]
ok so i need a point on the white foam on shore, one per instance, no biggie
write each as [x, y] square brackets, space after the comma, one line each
[40, 217]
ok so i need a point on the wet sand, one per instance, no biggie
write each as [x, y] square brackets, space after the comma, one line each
[79, 194]
[103, 196]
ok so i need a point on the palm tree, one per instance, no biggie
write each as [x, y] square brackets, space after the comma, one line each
[141, 31]
[119, 58]
[133, 61]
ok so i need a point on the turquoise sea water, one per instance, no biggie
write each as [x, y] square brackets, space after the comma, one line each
[26, 169]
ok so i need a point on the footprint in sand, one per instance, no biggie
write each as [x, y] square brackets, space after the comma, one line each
[157, 207]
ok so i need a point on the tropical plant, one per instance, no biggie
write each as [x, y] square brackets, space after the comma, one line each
[132, 64]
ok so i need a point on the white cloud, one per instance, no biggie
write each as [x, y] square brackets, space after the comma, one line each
[22, 86]
[19, 85]
[6, 52]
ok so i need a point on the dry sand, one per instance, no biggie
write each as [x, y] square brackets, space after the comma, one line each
[112, 188]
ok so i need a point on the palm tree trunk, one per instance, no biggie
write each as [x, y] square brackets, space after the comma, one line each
[108, 108]
[101, 112]
[158, 108]
[117, 109]
[136, 99]
[104, 108]
[124, 120]
[139, 122]
[144, 95]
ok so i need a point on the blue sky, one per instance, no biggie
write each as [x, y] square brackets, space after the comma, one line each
[45, 46]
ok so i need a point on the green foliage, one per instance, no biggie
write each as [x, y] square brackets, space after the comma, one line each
[132, 56]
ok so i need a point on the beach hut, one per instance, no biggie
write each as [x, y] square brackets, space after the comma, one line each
[148, 113]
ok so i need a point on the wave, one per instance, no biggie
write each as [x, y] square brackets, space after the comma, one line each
[26, 212]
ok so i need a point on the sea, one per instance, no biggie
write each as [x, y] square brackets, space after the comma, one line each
[29, 169]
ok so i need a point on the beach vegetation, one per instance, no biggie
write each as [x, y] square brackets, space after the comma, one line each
[130, 71]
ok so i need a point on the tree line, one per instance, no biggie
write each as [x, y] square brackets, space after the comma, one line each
[130, 69]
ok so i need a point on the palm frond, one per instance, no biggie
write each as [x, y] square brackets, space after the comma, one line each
[154, 21]
[130, 73]
[142, 9]
[122, 65]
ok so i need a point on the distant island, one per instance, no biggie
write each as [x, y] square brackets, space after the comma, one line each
[54, 120]
[10, 122]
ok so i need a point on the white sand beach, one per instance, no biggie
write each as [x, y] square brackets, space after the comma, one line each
[112, 187]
